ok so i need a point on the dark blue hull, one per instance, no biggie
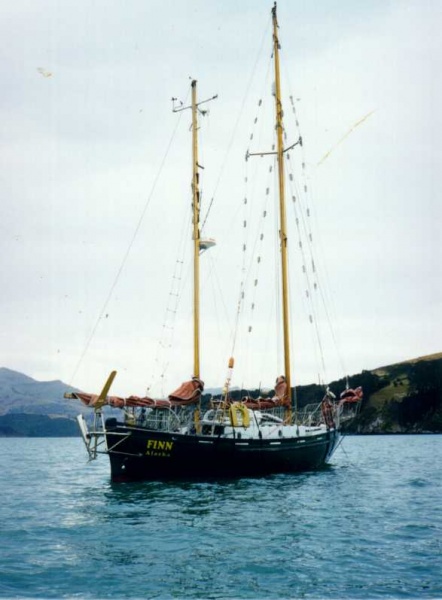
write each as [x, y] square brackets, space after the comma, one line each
[141, 454]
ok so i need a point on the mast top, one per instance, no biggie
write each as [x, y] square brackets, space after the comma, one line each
[179, 107]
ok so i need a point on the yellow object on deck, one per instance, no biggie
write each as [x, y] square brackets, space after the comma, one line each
[239, 415]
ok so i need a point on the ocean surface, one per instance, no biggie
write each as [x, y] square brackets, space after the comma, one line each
[368, 526]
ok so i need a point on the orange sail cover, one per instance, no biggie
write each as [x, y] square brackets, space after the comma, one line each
[188, 393]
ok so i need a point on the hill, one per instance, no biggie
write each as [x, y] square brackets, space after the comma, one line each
[404, 397]
[34, 408]
[22, 394]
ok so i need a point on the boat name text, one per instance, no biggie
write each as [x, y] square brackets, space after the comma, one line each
[159, 448]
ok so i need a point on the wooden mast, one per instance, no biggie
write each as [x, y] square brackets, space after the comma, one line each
[196, 236]
[282, 209]
[198, 244]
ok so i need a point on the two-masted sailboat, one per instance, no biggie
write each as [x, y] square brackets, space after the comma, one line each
[175, 437]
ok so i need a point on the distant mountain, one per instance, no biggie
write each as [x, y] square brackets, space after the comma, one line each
[35, 408]
[22, 394]
[404, 397]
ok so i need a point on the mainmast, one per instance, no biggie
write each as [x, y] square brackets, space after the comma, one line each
[196, 236]
[282, 208]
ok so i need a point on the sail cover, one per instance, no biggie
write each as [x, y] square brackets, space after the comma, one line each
[351, 395]
[281, 397]
[188, 393]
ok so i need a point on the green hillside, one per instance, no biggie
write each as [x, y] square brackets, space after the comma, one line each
[404, 397]
[401, 398]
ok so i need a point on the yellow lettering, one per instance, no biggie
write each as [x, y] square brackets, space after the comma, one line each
[154, 446]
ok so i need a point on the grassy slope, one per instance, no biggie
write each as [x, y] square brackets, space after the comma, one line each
[401, 389]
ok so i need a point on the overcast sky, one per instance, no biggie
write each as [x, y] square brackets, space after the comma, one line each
[88, 248]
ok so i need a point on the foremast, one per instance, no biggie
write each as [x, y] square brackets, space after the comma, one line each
[282, 212]
[199, 245]
[196, 235]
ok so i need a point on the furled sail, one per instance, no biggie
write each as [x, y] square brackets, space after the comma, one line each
[281, 397]
[188, 393]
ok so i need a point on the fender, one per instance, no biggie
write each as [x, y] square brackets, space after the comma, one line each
[239, 415]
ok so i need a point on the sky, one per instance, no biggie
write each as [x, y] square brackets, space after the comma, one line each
[95, 185]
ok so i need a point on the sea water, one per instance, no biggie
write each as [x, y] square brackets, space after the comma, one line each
[368, 526]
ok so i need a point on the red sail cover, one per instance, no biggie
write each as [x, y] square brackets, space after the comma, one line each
[280, 398]
[188, 393]
[351, 395]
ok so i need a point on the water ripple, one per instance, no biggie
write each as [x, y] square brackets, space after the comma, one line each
[369, 526]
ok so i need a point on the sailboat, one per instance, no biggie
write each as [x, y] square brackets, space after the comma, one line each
[175, 437]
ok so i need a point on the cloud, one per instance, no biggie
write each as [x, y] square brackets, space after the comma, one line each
[83, 147]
